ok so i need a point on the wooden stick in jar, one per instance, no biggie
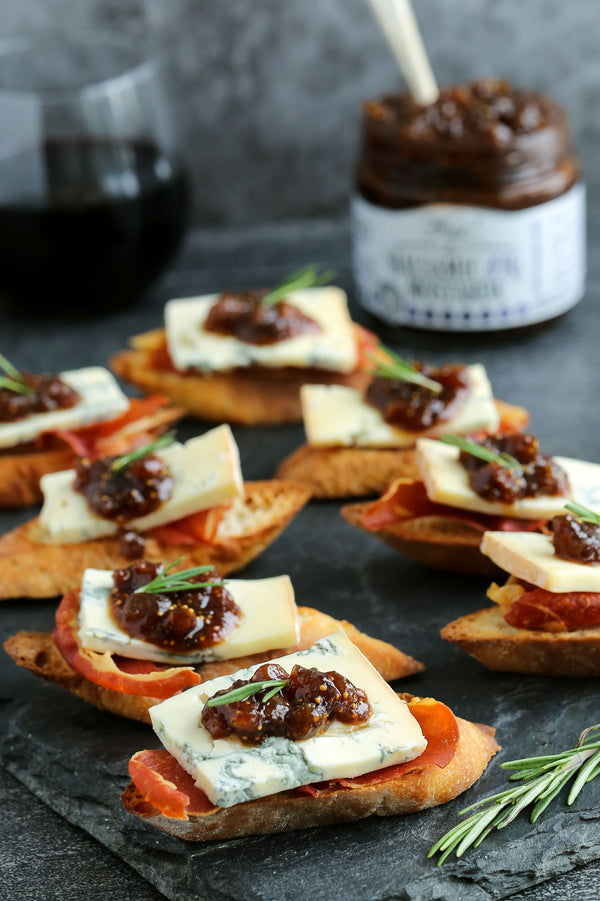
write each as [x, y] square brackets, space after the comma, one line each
[399, 25]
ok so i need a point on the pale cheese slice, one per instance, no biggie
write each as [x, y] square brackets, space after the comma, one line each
[530, 557]
[100, 399]
[333, 348]
[206, 471]
[337, 416]
[446, 482]
[268, 620]
[230, 772]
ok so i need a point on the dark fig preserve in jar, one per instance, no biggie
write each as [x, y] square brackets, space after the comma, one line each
[469, 213]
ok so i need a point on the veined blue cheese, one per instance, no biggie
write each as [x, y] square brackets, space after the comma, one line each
[268, 620]
[334, 347]
[446, 482]
[530, 556]
[101, 399]
[337, 416]
[206, 471]
[230, 772]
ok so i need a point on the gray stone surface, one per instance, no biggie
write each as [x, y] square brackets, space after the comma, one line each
[267, 92]
[75, 757]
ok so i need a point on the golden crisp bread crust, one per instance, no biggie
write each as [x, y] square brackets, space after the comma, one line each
[37, 652]
[30, 568]
[487, 636]
[425, 786]
[255, 397]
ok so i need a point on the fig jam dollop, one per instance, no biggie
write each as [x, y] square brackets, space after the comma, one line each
[48, 393]
[243, 316]
[305, 706]
[537, 474]
[127, 493]
[575, 540]
[176, 620]
[414, 407]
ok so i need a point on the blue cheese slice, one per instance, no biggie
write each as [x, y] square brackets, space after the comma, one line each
[446, 482]
[230, 772]
[268, 620]
[531, 557]
[206, 471]
[334, 347]
[101, 399]
[336, 416]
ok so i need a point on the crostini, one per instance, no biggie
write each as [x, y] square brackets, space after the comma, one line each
[185, 500]
[439, 519]
[242, 357]
[46, 421]
[546, 618]
[357, 442]
[131, 638]
[315, 760]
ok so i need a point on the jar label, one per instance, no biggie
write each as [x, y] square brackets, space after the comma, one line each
[466, 268]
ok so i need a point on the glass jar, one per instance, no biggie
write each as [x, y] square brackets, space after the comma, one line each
[469, 213]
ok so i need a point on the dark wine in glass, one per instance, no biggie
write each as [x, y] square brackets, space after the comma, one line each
[94, 199]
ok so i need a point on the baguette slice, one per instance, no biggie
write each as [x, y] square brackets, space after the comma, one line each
[437, 541]
[487, 636]
[20, 473]
[37, 652]
[30, 568]
[416, 788]
[252, 396]
[338, 472]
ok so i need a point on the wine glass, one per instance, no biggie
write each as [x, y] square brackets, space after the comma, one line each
[94, 198]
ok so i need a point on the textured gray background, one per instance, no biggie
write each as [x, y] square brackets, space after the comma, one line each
[267, 92]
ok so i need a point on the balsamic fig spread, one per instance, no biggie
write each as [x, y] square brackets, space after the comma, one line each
[576, 540]
[176, 620]
[48, 393]
[537, 475]
[127, 493]
[415, 407]
[243, 316]
[305, 706]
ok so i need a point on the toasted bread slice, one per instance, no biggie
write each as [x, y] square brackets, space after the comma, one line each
[20, 473]
[426, 785]
[253, 396]
[338, 472]
[437, 541]
[31, 568]
[487, 636]
[37, 652]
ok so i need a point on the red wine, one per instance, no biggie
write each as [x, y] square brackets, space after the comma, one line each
[108, 221]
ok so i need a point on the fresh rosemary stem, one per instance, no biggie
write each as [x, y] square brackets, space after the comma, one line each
[541, 780]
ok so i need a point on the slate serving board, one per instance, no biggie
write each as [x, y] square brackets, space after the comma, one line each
[74, 757]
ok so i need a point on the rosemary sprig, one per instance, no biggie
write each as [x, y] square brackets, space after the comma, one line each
[307, 277]
[542, 779]
[246, 691]
[395, 367]
[13, 380]
[483, 453]
[126, 459]
[167, 581]
[583, 513]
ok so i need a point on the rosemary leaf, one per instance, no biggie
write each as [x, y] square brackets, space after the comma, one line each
[395, 367]
[246, 691]
[583, 513]
[126, 459]
[166, 581]
[307, 277]
[483, 453]
[17, 387]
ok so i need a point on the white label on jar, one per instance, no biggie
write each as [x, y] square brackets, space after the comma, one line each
[454, 267]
